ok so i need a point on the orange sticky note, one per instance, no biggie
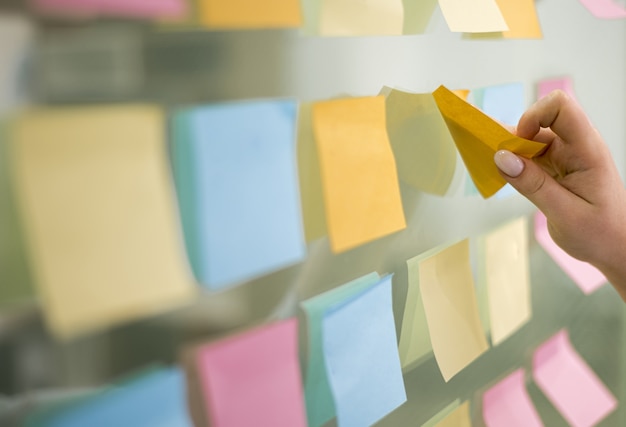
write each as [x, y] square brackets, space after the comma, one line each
[359, 177]
[521, 17]
[478, 137]
[241, 14]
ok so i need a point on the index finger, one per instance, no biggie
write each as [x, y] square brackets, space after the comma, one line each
[559, 112]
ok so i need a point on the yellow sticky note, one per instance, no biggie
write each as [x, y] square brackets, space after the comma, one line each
[311, 195]
[506, 273]
[478, 137]
[417, 14]
[414, 336]
[521, 17]
[424, 150]
[97, 202]
[473, 16]
[248, 14]
[359, 177]
[447, 288]
[361, 17]
[460, 417]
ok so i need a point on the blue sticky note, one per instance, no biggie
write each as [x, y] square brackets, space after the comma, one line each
[236, 175]
[320, 407]
[504, 103]
[361, 356]
[156, 399]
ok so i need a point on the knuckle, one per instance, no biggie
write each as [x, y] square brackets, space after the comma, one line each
[534, 184]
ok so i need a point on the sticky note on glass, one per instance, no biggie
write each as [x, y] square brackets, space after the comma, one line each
[96, 198]
[361, 356]
[237, 181]
[473, 16]
[250, 14]
[454, 415]
[507, 404]
[521, 18]
[504, 103]
[311, 195]
[414, 335]
[137, 8]
[320, 407]
[152, 398]
[605, 9]
[449, 297]
[253, 378]
[570, 384]
[546, 86]
[587, 277]
[359, 176]
[505, 270]
[361, 17]
[421, 142]
[15, 272]
[478, 137]
[417, 15]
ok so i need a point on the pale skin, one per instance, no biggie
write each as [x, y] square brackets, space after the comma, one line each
[574, 182]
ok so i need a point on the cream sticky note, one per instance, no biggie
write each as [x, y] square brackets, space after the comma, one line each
[250, 14]
[570, 384]
[359, 177]
[311, 196]
[507, 404]
[421, 142]
[506, 273]
[253, 378]
[586, 276]
[473, 16]
[448, 293]
[319, 398]
[414, 335]
[97, 202]
[442, 416]
[478, 137]
[361, 17]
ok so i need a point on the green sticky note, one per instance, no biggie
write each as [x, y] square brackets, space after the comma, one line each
[15, 274]
[319, 399]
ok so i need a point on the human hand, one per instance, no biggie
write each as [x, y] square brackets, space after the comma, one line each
[574, 182]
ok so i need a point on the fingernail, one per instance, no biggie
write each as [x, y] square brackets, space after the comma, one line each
[509, 163]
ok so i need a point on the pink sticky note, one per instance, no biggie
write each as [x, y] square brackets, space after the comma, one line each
[587, 277]
[570, 384]
[128, 8]
[253, 379]
[548, 85]
[604, 9]
[143, 8]
[507, 404]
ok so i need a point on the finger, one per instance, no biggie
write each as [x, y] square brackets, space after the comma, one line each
[535, 184]
[559, 112]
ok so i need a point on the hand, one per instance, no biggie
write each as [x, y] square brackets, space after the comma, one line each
[574, 182]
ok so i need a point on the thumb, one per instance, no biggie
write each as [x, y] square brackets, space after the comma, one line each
[532, 182]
